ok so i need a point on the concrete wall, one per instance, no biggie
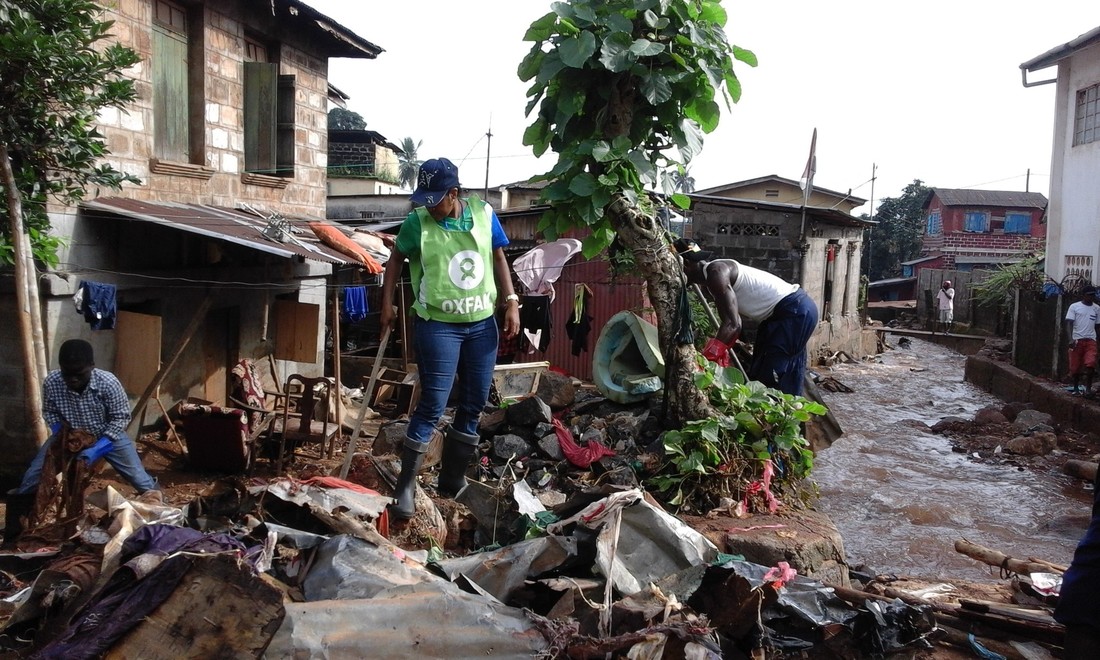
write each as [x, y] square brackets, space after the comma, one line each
[1073, 235]
[766, 239]
[1011, 384]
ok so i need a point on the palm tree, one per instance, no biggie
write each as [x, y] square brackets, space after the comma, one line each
[408, 163]
[683, 181]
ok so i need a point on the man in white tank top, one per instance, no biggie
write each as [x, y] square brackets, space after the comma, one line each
[787, 316]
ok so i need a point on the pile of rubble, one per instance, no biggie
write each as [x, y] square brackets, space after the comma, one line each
[554, 549]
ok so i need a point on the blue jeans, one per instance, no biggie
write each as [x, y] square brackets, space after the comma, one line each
[445, 350]
[123, 458]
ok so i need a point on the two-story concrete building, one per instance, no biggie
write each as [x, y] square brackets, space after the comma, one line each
[975, 229]
[210, 258]
[1073, 245]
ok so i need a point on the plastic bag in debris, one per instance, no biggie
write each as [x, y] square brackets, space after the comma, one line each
[805, 608]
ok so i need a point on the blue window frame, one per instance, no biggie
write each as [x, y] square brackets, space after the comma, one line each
[976, 221]
[935, 223]
[906, 271]
[1017, 222]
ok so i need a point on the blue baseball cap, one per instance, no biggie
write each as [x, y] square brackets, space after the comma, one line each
[437, 176]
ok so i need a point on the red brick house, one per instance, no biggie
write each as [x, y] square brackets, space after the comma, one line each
[975, 229]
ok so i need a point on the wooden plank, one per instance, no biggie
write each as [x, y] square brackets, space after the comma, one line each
[296, 331]
[192, 327]
[218, 610]
[140, 334]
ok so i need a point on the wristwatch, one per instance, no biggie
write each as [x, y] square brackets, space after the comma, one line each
[510, 297]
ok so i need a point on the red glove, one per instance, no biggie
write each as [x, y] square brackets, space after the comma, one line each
[717, 352]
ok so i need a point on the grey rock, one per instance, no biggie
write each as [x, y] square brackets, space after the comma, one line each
[1038, 444]
[528, 412]
[1026, 419]
[556, 390]
[509, 445]
[550, 446]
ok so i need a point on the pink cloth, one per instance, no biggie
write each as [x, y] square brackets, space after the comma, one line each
[582, 457]
[541, 266]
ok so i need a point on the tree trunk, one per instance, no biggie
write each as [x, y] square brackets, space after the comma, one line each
[32, 393]
[665, 281]
[38, 339]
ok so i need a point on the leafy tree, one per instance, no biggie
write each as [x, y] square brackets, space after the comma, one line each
[897, 236]
[340, 119]
[408, 163]
[55, 77]
[625, 91]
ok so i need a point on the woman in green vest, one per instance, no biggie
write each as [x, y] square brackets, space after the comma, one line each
[455, 248]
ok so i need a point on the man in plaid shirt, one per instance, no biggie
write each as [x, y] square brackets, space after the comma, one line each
[91, 400]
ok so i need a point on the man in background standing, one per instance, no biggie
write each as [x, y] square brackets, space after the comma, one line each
[1082, 319]
[945, 302]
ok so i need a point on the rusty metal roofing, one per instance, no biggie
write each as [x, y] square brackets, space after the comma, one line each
[1006, 198]
[242, 227]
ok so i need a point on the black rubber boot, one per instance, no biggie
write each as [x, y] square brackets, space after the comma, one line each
[18, 505]
[404, 495]
[458, 449]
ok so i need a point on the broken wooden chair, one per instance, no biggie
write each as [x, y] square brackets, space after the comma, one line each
[304, 417]
[227, 438]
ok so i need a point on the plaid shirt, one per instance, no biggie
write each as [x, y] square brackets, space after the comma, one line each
[102, 408]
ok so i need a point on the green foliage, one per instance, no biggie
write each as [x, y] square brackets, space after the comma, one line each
[997, 290]
[719, 457]
[625, 90]
[385, 174]
[340, 119]
[897, 236]
[55, 77]
[409, 163]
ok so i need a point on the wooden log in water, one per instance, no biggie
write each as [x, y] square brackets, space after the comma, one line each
[999, 559]
[1081, 469]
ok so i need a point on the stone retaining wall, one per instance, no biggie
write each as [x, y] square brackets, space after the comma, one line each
[1009, 383]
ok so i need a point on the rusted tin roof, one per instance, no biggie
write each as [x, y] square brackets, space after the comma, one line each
[237, 226]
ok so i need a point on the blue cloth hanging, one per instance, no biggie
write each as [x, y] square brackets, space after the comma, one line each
[98, 305]
[355, 303]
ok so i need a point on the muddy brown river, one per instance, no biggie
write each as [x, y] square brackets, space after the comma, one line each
[901, 497]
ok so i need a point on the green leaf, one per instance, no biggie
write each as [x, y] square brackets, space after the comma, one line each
[681, 201]
[713, 12]
[704, 112]
[541, 29]
[742, 55]
[530, 65]
[646, 48]
[576, 51]
[615, 52]
[616, 22]
[655, 88]
[582, 185]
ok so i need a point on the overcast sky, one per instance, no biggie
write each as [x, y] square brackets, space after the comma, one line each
[928, 90]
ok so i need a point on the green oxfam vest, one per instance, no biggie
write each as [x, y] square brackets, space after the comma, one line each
[453, 278]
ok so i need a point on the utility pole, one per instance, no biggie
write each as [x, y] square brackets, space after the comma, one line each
[488, 151]
[1027, 181]
[872, 217]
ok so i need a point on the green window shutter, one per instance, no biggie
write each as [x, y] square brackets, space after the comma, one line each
[170, 101]
[285, 157]
[260, 125]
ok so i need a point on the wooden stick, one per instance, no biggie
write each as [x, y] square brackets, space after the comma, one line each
[367, 393]
[171, 426]
[998, 559]
[1057, 568]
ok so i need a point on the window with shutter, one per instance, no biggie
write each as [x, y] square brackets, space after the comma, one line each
[268, 119]
[1017, 223]
[171, 99]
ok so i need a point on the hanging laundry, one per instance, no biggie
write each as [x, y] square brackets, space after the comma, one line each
[534, 318]
[355, 303]
[97, 302]
[580, 322]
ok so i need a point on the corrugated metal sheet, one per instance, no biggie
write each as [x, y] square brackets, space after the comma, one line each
[1007, 198]
[232, 225]
[608, 298]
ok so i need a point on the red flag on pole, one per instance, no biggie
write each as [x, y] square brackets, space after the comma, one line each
[807, 181]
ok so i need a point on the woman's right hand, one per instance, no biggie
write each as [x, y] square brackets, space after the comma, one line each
[387, 317]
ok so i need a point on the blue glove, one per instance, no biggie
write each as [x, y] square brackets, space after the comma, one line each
[101, 448]
[55, 428]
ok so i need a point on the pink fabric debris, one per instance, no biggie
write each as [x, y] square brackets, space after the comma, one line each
[582, 457]
[780, 575]
[764, 485]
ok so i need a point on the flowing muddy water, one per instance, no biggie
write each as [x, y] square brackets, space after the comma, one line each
[901, 497]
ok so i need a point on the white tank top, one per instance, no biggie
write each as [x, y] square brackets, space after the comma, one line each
[758, 291]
